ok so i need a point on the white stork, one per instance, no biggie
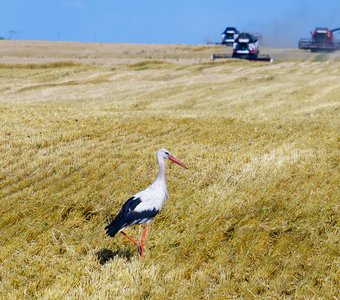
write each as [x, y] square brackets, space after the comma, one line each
[145, 205]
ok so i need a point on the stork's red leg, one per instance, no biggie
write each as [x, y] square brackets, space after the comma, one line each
[131, 239]
[143, 240]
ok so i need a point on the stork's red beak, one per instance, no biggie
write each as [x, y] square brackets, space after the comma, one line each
[176, 161]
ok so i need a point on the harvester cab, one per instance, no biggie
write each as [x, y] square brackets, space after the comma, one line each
[229, 35]
[246, 46]
[322, 35]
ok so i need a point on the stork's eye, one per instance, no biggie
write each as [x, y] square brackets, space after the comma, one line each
[167, 153]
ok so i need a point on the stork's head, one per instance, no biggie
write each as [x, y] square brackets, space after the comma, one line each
[166, 154]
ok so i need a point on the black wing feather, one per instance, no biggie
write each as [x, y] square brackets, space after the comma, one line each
[141, 217]
[119, 221]
[127, 216]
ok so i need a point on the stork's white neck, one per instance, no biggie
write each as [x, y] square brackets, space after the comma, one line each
[161, 169]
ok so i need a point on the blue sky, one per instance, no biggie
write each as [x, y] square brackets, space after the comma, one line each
[194, 22]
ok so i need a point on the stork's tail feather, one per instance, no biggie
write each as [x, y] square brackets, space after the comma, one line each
[112, 228]
[120, 221]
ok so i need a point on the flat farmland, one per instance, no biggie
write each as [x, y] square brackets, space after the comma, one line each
[256, 215]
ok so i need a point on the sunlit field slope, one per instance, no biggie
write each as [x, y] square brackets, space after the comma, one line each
[256, 215]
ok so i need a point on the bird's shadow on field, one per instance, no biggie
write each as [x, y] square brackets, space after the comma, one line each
[104, 255]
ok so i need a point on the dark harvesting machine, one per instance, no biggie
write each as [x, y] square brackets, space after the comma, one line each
[322, 40]
[245, 46]
[229, 35]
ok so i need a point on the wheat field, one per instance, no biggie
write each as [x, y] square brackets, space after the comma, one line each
[256, 215]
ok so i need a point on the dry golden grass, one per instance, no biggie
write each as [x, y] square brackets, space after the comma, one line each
[255, 216]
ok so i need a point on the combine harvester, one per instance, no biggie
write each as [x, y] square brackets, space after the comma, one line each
[245, 46]
[322, 40]
[229, 35]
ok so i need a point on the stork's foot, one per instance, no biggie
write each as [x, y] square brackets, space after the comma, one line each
[140, 250]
